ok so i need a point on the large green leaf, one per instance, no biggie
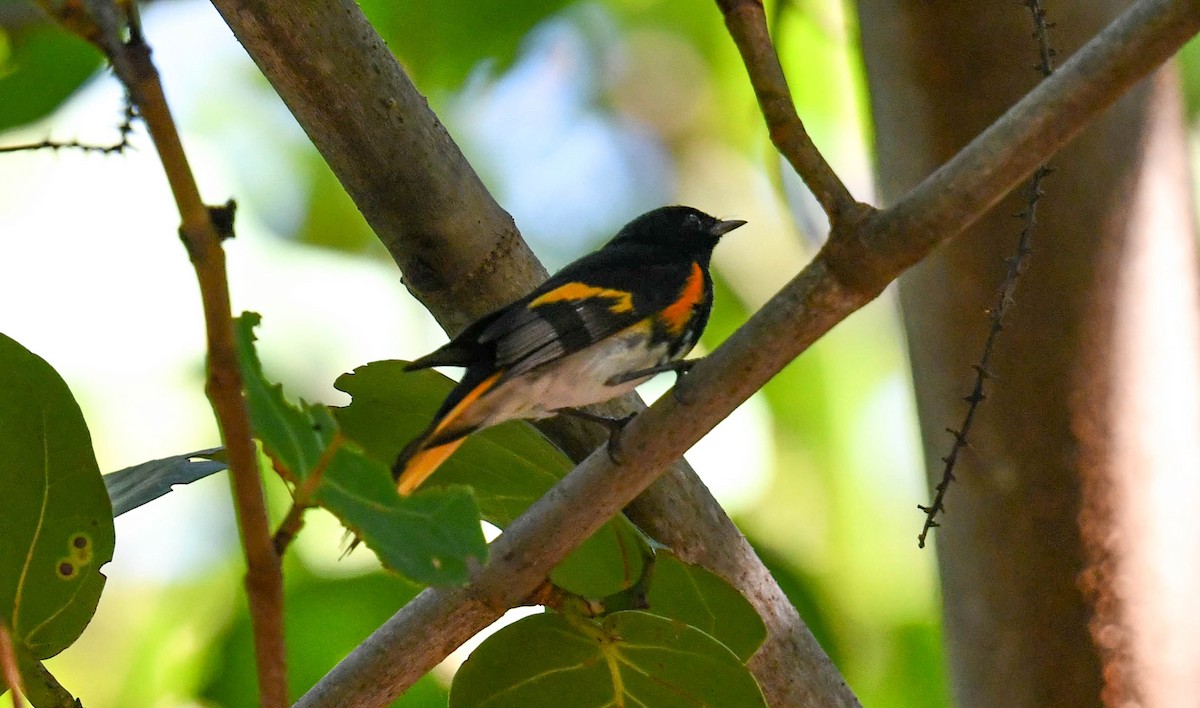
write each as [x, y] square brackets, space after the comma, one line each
[628, 659]
[704, 600]
[509, 467]
[56, 524]
[44, 67]
[429, 537]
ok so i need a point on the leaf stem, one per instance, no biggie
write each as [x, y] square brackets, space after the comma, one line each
[294, 520]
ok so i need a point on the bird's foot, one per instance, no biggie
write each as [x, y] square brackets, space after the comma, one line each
[614, 425]
[679, 367]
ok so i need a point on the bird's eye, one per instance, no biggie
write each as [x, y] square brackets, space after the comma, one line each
[692, 221]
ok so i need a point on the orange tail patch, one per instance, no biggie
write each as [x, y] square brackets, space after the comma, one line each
[424, 461]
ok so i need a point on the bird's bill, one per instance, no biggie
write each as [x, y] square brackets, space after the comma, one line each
[723, 227]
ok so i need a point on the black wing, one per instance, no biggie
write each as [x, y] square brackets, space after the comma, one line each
[590, 299]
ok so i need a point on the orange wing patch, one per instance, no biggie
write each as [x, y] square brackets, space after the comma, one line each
[622, 299]
[679, 313]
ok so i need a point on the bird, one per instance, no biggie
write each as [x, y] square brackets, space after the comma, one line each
[593, 331]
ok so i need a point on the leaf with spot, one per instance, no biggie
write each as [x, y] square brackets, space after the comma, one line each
[509, 466]
[429, 537]
[628, 658]
[56, 525]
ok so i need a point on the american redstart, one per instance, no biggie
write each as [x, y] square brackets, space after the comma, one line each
[592, 332]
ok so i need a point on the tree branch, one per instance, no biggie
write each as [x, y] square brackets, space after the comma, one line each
[818, 298]
[462, 257]
[264, 581]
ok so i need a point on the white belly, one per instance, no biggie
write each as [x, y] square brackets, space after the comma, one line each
[573, 381]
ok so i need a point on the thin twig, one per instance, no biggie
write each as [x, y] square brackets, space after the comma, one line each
[8, 667]
[302, 496]
[747, 25]
[124, 129]
[438, 620]
[264, 581]
[1004, 298]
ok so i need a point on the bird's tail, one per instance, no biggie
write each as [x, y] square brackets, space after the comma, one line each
[421, 457]
[425, 453]
[413, 468]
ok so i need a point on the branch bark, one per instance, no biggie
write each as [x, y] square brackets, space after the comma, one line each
[834, 285]
[462, 257]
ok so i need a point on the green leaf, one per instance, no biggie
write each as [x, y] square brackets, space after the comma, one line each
[702, 599]
[628, 659]
[607, 562]
[428, 537]
[44, 67]
[294, 437]
[56, 524]
[140, 484]
[509, 467]
[41, 688]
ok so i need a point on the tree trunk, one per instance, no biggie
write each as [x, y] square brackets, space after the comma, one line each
[1068, 551]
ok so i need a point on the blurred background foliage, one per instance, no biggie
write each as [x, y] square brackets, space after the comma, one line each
[578, 115]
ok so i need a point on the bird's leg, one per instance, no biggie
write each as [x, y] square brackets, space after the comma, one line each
[614, 425]
[679, 366]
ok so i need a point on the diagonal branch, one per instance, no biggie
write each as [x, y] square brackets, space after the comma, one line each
[829, 289]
